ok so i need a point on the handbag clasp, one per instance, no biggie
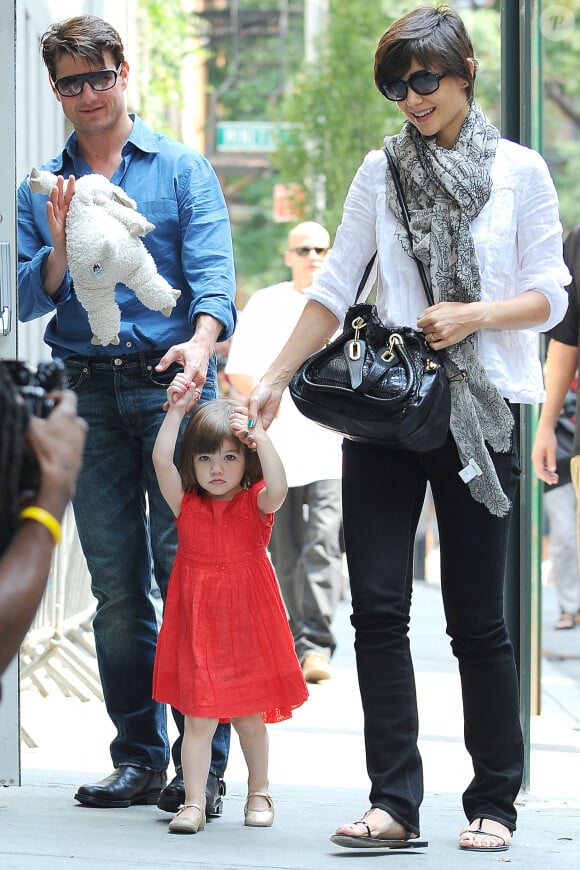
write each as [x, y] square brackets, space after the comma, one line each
[354, 347]
[388, 354]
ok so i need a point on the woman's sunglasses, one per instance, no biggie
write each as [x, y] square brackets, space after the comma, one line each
[423, 82]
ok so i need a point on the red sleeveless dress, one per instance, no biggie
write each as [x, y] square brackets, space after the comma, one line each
[225, 648]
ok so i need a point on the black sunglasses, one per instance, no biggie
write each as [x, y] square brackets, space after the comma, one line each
[102, 80]
[423, 82]
[303, 252]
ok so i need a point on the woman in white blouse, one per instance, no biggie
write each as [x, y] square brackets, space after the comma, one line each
[484, 218]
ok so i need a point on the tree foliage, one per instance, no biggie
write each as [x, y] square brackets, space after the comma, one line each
[165, 38]
[561, 110]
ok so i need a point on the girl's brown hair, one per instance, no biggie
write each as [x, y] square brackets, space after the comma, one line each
[433, 37]
[206, 430]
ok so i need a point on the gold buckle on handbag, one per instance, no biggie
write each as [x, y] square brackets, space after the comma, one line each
[354, 348]
[388, 354]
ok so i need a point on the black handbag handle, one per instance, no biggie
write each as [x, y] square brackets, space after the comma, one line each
[405, 211]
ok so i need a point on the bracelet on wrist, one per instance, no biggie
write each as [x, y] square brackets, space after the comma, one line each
[46, 519]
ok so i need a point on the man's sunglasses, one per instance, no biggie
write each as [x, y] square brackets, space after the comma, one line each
[102, 80]
[303, 252]
[423, 82]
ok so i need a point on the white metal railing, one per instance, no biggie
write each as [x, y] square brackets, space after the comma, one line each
[59, 647]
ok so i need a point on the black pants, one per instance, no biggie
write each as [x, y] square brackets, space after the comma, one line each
[383, 493]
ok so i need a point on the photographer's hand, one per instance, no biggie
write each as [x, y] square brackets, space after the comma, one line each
[58, 442]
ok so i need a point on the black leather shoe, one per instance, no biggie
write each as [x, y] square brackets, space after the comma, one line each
[126, 786]
[173, 795]
[215, 789]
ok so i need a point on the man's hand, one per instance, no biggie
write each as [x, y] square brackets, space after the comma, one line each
[544, 455]
[56, 213]
[194, 355]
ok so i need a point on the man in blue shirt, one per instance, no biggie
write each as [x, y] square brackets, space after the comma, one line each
[126, 530]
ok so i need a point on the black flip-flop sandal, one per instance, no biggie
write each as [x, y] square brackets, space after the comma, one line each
[479, 830]
[350, 841]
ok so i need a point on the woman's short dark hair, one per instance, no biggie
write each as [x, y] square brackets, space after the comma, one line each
[435, 37]
[84, 38]
[205, 432]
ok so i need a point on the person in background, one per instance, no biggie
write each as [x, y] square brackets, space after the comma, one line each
[241, 666]
[305, 543]
[125, 528]
[29, 532]
[559, 372]
[485, 223]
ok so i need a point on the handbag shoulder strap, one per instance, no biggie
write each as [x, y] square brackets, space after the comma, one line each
[405, 211]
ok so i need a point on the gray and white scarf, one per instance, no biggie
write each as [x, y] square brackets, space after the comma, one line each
[445, 190]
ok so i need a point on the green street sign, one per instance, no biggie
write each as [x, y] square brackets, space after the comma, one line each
[251, 135]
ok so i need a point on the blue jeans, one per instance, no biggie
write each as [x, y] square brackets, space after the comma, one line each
[383, 493]
[128, 534]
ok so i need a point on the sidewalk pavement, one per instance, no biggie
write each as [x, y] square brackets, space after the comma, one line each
[317, 774]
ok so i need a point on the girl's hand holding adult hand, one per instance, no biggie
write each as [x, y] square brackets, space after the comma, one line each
[182, 393]
[239, 422]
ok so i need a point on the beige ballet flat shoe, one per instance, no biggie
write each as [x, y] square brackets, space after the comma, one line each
[186, 825]
[259, 818]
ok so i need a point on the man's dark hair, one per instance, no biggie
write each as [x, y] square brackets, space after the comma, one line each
[84, 38]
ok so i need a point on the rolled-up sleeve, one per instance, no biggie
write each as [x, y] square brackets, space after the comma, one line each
[540, 244]
[206, 255]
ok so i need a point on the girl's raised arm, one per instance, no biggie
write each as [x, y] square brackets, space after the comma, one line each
[272, 496]
[168, 476]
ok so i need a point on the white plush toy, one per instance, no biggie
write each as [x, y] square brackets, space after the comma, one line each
[104, 249]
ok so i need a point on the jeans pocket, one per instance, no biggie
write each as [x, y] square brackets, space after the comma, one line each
[163, 379]
[77, 374]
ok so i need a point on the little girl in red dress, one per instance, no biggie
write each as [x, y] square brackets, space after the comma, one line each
[225, 650]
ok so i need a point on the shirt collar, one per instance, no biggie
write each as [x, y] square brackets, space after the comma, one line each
[141, 138]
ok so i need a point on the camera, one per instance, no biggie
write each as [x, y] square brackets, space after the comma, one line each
[36, 387]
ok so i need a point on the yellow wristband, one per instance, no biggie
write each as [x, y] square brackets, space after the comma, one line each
[44, 518]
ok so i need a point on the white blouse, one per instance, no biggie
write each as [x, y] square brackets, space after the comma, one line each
[518, 241]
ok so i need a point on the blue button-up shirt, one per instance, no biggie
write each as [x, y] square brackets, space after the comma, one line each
[177, 190]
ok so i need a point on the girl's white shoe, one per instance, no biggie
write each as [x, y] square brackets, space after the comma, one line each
[259, 818]
[181, 824]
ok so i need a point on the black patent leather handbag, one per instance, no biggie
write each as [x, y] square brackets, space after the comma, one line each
[374, 383]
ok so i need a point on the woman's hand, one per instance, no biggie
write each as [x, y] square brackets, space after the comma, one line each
[448, 323]
[263, 402]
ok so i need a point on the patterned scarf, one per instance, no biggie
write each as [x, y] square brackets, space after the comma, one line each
[445, 190]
